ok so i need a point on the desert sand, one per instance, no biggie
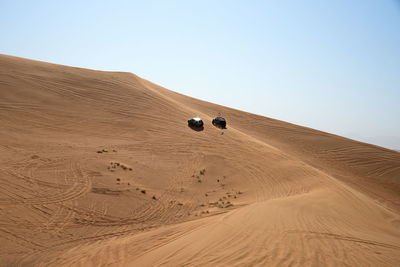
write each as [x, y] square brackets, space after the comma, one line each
[100, 169]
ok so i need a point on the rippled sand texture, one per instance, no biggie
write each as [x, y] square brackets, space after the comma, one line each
[99, 168]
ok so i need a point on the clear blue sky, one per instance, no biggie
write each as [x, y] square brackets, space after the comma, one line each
[329, 65]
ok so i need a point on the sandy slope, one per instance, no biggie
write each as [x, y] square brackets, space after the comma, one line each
[262, 192]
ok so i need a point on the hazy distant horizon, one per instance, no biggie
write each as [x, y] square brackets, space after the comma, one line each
[329, 66]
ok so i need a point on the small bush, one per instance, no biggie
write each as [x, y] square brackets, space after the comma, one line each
[228, 204]
[143, 191]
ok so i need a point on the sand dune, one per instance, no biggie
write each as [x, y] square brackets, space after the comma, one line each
[99, 168]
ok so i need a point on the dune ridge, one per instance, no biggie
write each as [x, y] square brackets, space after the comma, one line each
[100, 168]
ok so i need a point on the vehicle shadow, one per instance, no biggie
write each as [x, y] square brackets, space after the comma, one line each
[220, 126]
[197, 129]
